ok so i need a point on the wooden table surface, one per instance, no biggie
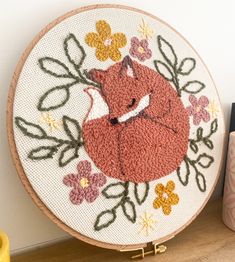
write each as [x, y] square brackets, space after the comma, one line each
[206, 239]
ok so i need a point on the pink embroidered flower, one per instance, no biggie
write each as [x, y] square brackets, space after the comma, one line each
[139, 49]
[197, 109]
[85, 185]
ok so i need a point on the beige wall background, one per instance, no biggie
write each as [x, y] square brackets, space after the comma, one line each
[208, 25]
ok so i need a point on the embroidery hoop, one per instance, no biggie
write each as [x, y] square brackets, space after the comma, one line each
[16, 158]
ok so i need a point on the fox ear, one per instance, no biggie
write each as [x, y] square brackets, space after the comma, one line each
[97, 75]
[127, 67]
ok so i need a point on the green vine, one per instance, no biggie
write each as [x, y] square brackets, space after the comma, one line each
[171, 69]
[68, 147]
[201, 138]
[120, 190]
[58, 96]
[202, 161]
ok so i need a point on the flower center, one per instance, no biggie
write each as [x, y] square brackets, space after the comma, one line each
[84, 182]
[198, 109]
[141, 49]
[165, 195]
[108, 42]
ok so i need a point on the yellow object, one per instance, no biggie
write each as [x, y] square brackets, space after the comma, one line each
[4, 248]
[166, 198]
[107, 44]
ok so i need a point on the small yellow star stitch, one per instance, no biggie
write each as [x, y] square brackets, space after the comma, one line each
[145, 31]
[147, 223]
[53, 124]
[213, 108]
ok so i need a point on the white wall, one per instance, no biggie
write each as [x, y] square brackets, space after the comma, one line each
[210, 27]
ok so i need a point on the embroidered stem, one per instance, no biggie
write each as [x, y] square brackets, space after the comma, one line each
[170, 69]
[204, 161]
[140, 198]
[107, 217]
[71, 145]
[193, 143]
[58, 96]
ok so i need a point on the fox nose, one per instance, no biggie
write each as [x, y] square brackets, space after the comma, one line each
[114, 121]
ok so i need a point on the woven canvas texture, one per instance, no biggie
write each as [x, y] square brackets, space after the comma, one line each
[118, 126]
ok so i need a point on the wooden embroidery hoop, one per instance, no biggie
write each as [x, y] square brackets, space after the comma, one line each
[16, 158]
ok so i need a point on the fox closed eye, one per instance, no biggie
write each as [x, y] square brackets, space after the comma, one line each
[132, 103]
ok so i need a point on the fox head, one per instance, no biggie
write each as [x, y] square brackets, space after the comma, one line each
[128, 88]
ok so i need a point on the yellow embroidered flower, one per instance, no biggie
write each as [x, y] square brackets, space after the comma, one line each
[213, 108]
[147, 223]
[145, 31]
[106, 43]
[53, 124]
[166, 198]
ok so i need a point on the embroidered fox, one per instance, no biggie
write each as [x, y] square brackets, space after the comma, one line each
[137, 128]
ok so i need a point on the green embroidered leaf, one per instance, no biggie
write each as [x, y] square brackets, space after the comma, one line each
[214, 126]
[208, 143]
[72, 128]
[186, 66]
[74, 51]
[193, 87]
[129, 211]
[42, 152]
[205, 160]
[183, 172]
[193, 146]
[163, 70]
[141, 192]
[201, 182]
[30, 129]
[199, 133]
[167, 51]
[114, 190]
[104, 219]
[68, 154]
[54, 98]
[54, 67]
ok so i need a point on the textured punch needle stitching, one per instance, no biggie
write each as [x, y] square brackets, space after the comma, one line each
[139, 49]
[108, 194]
[165, 197]
[56, 68]
[203, 161]
[49, 151]
[85, 184]
[107, 44]
[157, 109]
[140, 200]
[46, 62]
[184, 177]
[197, 109]
[77, 64]
[71, 146]
[65, 89]
[171, 69]
[127, 205]
[193, 143]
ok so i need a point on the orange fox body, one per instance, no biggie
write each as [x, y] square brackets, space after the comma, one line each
[144, 135]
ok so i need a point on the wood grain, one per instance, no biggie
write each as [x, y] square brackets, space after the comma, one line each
[206, 239]
[15, 155]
